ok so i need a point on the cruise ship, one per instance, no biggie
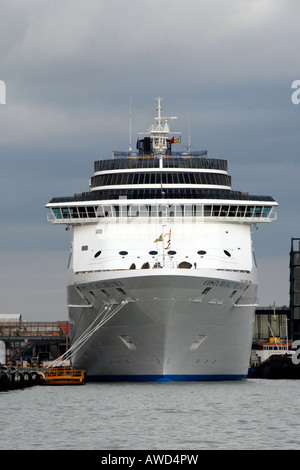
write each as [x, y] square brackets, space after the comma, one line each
[162, 276]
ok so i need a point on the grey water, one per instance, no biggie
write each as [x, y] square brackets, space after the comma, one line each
[252, 414]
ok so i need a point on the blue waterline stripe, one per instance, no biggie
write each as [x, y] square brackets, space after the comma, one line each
[162, 378]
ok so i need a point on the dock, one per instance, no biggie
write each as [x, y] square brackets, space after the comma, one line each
[17, 378]
[62, 376]
[33, 342]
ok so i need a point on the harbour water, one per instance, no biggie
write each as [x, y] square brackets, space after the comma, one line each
[254, 414]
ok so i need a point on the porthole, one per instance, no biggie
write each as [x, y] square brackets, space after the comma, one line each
[171, 252]
[227, 253]
[123, 253]
[152, 253]
[201, 252]
[97, 254]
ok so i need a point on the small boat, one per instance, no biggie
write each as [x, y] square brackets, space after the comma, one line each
[63, 376]
[277, 366]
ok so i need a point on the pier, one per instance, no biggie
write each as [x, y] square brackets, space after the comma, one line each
[32, 342]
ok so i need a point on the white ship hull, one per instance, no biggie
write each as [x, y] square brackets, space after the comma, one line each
[168, 330]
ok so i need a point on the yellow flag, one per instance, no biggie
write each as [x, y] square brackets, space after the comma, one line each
[159, 239]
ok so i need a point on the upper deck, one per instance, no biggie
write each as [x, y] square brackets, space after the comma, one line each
[155, 175]
[182, 160]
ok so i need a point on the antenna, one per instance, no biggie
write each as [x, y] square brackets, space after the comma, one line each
[189, 137]
[130, 118]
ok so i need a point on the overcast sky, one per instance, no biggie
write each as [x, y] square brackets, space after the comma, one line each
[70, 67]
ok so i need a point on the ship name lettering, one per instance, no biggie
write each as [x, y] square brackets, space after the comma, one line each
[212, 282]
[101, 285]
[232, 284]
[222, 283]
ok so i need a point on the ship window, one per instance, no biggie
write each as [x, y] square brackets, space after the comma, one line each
[198, 210]
[206, 290]
[116, 178]
[227, 253]
[175, 178]
[123, 253]
[232, 211]
[241, 211]
[152, 253]
[57, 213]
[120, 290]
[181, 179]
[232, 294]
[73, 212]
[224, 211]
[249, 212]
[257, 211]
[84, 248]
[90, 211]
[97, 254]
[116, 211]
[207, 211]
[194, 178]
[201, 252]
[65, 212]
[266, 211]
[216, 210]
[105, 293]
[171, 252]
[82, 212]
[186, 177]
[188, 210]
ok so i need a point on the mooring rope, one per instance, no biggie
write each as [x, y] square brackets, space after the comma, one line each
[86, 335]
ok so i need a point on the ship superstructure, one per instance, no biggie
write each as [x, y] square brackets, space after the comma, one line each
[162, 281]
